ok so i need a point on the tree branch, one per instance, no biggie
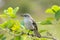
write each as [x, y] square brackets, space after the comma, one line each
[13, 34]
[34, 35]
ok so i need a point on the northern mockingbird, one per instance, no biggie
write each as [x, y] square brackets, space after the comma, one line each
[30, 24]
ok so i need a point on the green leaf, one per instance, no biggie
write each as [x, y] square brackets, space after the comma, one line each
[5, 11]
[55, 8]
[15, 10]
[17, 38]
[24, 37]
[57, 15]
[4, 38]
[46, 22]
[1, 35]
[42, 31]
[16, 26]
[7, 24]
[49, 11]
[22, 23]
[11, 12]
[3, 16]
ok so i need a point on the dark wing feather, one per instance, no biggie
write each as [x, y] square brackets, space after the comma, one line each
[35, 25]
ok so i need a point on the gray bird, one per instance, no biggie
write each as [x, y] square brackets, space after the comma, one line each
[30, 24]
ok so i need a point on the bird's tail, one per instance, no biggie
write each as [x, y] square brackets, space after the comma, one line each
[37, 33]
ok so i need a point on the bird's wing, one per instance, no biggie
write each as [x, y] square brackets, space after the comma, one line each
[34, 24]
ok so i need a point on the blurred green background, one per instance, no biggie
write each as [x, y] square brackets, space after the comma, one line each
[37, 9]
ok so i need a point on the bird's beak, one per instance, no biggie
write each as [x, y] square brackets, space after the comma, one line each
[22, 15]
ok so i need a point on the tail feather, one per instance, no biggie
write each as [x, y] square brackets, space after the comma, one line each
[37, 33]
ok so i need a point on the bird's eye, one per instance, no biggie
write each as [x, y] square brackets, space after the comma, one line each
[25, 15]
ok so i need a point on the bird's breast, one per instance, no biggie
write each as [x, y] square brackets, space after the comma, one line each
[28, 24]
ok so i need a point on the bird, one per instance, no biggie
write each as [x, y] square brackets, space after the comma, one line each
[30, 24]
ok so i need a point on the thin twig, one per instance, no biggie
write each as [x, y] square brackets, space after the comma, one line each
[48, 37]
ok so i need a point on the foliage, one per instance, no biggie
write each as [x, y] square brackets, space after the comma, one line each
[16, 28]
[11, 12]
[12, 24]
[47, 21]
[54, 10]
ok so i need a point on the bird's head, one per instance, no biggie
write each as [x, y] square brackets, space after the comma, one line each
[26, 15]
